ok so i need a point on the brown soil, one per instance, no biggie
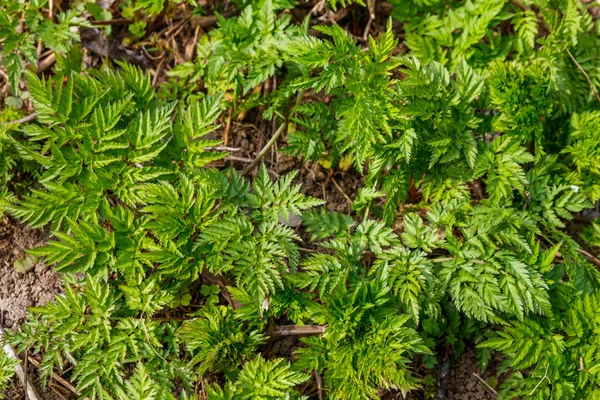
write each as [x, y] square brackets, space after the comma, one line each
[463, 385]
[337, 188]
[19, 291]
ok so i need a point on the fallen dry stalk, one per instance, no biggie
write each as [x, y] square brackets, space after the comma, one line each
[290, 330]
[31, 393]
[267, 147]
[486, 385]
[57, 378]
[27, 118]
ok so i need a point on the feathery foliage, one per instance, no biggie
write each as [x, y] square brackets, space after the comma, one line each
[7, 370]
[474, 141]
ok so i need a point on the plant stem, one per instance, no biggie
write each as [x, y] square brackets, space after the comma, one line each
[485, 384]
[267, 147]
[25, 381]
[28, 118]
[57, 378]
[282, 127]
[592, 86]
[290, 330]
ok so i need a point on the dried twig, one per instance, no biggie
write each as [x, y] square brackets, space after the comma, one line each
[291, 330]
[339, 188]
[267, 147]
[57, 378]
[592, 86]
[441, 259]
[58, 390]
[541, 380]
[116, 21]
[319, 384]
[28, 118]
[227, 127]
[590, 257]
[158, 71]
[485, 384]
[205, 21]
[240, 159]
[46, 63]
[223, 148]
[30, 391]
[371, 5]
[210, 278]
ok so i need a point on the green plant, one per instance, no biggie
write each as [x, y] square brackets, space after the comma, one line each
[359, 80]
[218, 340]
[555, 358]
[592, 233]
[141, 11]
[476, 153]
[7, 370]
[239, 55]
[12, 167]
[136, 267]
[22, 25]
[261, 379]
[583, 149]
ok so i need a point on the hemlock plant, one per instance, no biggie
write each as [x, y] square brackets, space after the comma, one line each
[7, 371]
[479, 145]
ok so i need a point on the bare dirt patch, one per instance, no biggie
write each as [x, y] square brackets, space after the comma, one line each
[463, 385]
[19, 291]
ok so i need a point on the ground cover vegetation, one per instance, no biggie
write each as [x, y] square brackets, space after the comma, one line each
[473, 127]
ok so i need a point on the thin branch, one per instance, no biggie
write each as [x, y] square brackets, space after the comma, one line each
[46, 63]
[28, 118]
[223, 148]
[116, 21]
[157, 73]
[302, 249]
[209, 277]
[319, 384]
[267, 147]
[227, 127]
[276, 135]
[542, 380]
[291, 330]
[57, 378]
[206, 21]
[486, 385]
[441, 259]
[240, 159]
[518, 4]
[30, 391]
[339, 188]
[58, 390]
[590, 257]
[592, 86]
[371, 5]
